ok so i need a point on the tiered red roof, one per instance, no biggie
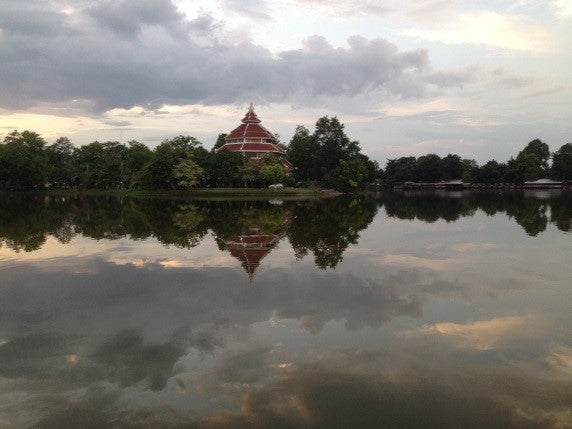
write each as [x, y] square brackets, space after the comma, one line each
[251, 136]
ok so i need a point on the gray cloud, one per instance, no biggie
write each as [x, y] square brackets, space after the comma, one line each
[122, 54]
[127, 17]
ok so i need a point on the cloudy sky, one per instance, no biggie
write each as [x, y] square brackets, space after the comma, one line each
[480, 79]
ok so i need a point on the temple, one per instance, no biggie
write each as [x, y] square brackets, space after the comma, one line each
[252, 140]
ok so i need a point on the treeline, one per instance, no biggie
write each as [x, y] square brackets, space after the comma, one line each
[28, 162]
[531, 163]
[326, 156]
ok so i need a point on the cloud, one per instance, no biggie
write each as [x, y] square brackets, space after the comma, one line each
[148, 54]
[255, 10]
[127, 17]
[486, 28]
[351, 8]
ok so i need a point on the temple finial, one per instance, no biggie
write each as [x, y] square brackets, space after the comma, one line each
[251, 107]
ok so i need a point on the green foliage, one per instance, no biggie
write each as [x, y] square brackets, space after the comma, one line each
[329, 156]
[562, 163]
[23, 161]
[99, 165]
[272, 173]
[350, 175]
[220, 141]
[158, 173]
[136, 157]
[302, 153]
[188, 173]
[60, 163]
[530, 164]
[226, 168]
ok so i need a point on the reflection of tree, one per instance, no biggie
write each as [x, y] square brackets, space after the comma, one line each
[561, 213]
[529, 211]
[27, 219]
[327, 228]
[427, 207]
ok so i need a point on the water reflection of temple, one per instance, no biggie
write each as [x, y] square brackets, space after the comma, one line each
[251, 248]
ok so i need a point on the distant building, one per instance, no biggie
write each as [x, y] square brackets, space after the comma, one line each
[252, 140]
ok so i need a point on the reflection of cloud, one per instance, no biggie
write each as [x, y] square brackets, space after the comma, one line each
[244, 366]
[128, 360]
[31, 354]
[312, 398]
[561, 359]
[471, 247]
[407, 260]
[481, 335]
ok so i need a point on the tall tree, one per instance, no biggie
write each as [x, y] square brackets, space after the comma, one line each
[158, 172]
[23, 161]
[61, 163]
[188, 172]
[562, 163]
[332, 144]
[220, 141]
[540, 150]
[451, 167]
[303, 154]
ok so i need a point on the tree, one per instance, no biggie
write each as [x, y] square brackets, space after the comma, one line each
[188, 173]
[302, 153]
[158, 173]
[470, 169]
[23, 161]
[61, 163]
[332, 144]
[220, 141]
[451, 167]
[99, 165]
[226, 167]
[401, 169]
[136, 157]
[562, 163]
[540, 150]
[271, 170]
[350, 175]
[428, 168]
[491, 172]
[526, 167]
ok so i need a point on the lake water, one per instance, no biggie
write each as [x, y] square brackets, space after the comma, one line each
[402, 311]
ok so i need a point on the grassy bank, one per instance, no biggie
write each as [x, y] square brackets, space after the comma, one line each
[206, 193]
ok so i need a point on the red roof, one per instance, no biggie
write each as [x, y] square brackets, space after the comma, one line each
[253, 147]
[250, 128]
[265, 141]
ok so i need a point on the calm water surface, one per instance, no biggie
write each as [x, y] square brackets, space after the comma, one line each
[404, 311]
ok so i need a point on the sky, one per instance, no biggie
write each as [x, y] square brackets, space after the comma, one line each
[406, 78]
